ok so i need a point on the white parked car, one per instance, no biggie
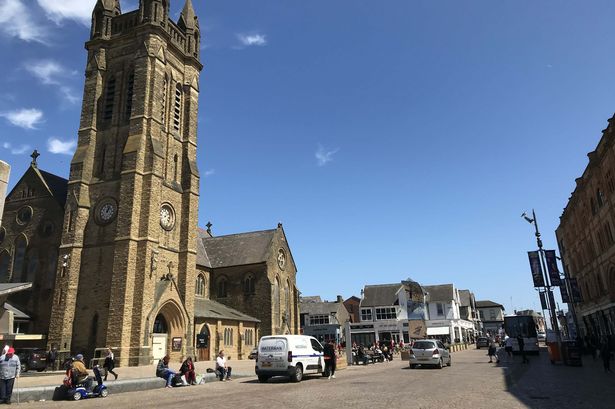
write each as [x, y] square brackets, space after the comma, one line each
[429, 352]
[289, 355]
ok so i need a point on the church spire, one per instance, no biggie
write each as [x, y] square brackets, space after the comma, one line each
[188, 19]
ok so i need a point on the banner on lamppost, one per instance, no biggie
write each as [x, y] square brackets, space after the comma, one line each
[552, 268]
[564, 292]
[551, 299]
[537, 276]
[575, 290]
[543, 301]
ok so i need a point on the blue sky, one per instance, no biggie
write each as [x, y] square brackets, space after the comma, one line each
[393, 139]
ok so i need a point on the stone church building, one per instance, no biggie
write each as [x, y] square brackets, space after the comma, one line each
[114, 254]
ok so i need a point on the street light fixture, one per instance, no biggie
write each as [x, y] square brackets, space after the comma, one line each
[549, 292]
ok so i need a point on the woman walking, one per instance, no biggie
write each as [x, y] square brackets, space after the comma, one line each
[492, 351]
[109, 364]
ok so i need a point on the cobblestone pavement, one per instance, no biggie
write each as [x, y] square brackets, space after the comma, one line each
[471, 382]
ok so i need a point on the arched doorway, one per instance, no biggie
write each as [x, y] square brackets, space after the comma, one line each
[168, 332]
[203, 344]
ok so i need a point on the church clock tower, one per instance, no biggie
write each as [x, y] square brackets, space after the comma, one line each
[126, 278]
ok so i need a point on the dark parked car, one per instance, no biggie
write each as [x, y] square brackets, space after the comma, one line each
[253, 354]
[32, 359]
[482, 342]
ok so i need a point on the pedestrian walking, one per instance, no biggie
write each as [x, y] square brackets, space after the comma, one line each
[521, 343]
[109, 364]
[10, 367]
[492, 350]
[52, 354]
[605, 354]
[330, 359]
[508, 347]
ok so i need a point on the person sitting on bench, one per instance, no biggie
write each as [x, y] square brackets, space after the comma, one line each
[222, 368]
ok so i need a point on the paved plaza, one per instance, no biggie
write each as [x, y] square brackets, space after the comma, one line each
[471, 382]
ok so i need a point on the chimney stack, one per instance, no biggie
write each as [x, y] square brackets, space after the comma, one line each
[340, 299]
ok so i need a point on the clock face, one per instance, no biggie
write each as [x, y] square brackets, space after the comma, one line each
[106, 212]
[167, 217]
[281, 259]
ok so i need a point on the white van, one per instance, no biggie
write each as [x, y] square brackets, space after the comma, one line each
[289, 355]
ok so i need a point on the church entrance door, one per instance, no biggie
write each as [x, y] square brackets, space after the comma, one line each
[202, 344]
[159, 346]
[168, 332]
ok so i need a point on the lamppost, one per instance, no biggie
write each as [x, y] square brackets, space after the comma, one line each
[548, 291]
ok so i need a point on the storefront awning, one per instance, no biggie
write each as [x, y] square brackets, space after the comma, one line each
[438, 331]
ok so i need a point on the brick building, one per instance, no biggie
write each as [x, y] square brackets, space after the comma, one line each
[586, 239]
[133, 271]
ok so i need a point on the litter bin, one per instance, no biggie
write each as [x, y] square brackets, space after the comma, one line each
[554, 352]
[572, 353]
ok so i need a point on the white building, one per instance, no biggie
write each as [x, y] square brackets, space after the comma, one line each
[444, 316]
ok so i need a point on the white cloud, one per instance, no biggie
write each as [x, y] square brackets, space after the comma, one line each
[76, 10]
[16, 150]
[16, 21]
[24, 118]
[324, 156]
[210, 172]
[55, 145]
[51, 72]
[248, 40]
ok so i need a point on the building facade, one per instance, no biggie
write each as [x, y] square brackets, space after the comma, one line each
[353, 306]
[492, 316]
[444, 315]
[586, 238]
[113, 253]
[324, 320]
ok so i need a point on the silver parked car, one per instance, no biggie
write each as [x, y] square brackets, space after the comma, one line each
[429, 352]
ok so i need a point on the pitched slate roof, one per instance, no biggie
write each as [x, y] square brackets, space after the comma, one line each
[464, 298]
[310, 298]
[9, 288]
[204, 308]
[443, 292]
[380, 295]
[57, 185]
[488, 304]
[202, 259]
[319, 308]
[237, 249]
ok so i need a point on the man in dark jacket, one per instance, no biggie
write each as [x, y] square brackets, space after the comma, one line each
[163, 371]
[330, 359]
[521, 344]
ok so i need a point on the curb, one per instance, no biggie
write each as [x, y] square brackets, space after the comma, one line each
[45, 393]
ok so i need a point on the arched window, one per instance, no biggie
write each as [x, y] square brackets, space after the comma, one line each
[200, 286]
[129, 94]
[177, 108]
[160, 325]
[5, 260]
[599, 198]
[287, 297]
[175, 161]
[221, 287]
[163, 102]
[109, 99]
[19, 258]
[276, 301]
[248, 285]
[52, 267]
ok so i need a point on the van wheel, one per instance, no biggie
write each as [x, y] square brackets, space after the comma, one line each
[263, 378]
[298, 375]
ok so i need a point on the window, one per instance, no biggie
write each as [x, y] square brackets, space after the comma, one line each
[160, 325]
[386, 313]
[276, 301]
[19, 258]
[163, 102]
[492, 315]
[109, 99]
[248, 337]
[440, 309]
[200, 286]
[320, 320]
[177, 109]
[129, 94]
[248, 285]
[228, 336]
[5, 260]
[316, 345]
[175, 161]
[222, 287]
[366, 314]
[287, 296]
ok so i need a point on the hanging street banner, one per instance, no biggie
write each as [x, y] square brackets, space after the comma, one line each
[551, 300]
[554, 276]
[534, 257]
[575, 290]
[543, 301]
[564, 292]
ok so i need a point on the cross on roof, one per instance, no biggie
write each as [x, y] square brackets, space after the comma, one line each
[34, 157]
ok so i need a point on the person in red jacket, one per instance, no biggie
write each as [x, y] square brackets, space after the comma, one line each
[187, 370]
